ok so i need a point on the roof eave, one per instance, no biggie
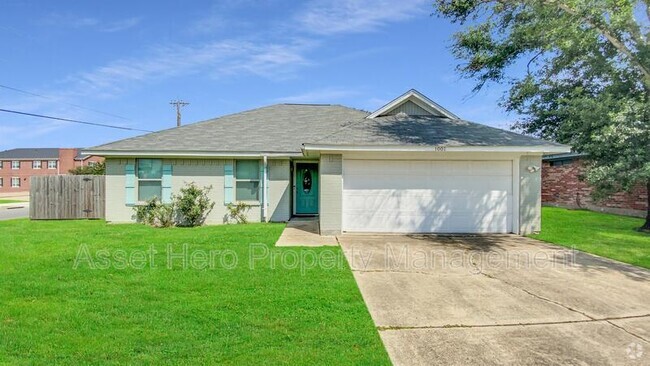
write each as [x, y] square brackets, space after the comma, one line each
[188, 154]
[400, 148]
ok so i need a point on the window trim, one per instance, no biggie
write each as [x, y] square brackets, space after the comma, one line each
[56, 164]
[235, 180]
[138, 180]
[40, 164]
[12, 164]
[15, 179]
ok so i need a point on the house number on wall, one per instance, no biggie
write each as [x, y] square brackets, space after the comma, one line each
[440, 148]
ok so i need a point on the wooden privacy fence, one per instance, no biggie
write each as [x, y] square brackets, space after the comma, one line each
[61, 197]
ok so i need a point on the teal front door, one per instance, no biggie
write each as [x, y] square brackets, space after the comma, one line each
[306, 188]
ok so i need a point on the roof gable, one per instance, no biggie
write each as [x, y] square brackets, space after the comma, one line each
[412, 103]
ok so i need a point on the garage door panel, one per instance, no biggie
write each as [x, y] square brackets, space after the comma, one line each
[437, 201]
[427, 196]
[456, 223]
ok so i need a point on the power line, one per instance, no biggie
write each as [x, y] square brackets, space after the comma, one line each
[73, 120]
[70, 104]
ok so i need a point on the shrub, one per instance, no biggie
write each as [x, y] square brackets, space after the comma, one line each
[238, 211]
[193, 205]
[97, 169]
[155, 213]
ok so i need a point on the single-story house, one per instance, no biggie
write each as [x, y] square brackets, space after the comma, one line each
[409, 167]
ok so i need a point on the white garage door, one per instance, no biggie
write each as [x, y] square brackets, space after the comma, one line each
[427, 196]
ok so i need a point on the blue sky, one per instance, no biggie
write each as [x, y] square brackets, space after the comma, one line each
[129, 59]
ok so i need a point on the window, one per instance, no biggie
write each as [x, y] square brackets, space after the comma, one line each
[92, 163]
[51, 164]
[15, 164]
[149, 179]
[1, 164]
[2, 183]
[561, 162]
[247, 180]
[36, 164]
[15, 182]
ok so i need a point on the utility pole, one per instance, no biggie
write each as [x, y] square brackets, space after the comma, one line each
[179, 104]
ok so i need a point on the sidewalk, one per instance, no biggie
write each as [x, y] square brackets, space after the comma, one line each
[304, 232]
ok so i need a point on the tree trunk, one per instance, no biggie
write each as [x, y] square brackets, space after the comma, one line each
[646, 226]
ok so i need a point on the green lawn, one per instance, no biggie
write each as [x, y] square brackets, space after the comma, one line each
[10, 201]
[148, 313]
[610, 236]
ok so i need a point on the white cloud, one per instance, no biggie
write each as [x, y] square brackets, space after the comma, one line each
[327, 95]
[121, 25]
[69, 20]
[354, 16]
[219, 58]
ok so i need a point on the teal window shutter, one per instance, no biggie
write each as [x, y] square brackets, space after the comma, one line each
[129, 186]
[167, 183]
[228, 182]
[262, 183]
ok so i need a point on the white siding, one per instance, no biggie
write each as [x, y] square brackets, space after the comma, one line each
[279, 190]
[331, 190]
[530, 195]
[203, 172]
[409, 108]
[116, 209]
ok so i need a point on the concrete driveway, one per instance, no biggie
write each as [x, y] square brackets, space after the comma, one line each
[501, 299]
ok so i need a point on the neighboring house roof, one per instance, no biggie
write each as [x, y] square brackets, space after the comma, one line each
[81, 156]
[30, 154]
[411, 120]
[565, 156]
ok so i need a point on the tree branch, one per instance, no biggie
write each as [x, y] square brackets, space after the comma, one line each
[617, 43]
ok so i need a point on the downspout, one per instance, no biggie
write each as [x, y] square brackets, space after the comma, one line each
[264, 189]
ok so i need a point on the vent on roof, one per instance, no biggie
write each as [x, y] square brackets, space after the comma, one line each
[401, 115]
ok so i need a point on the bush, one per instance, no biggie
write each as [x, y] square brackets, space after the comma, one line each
[155, 213]
[238, 211]
[193, 205]
[97, 169]
[189, 208]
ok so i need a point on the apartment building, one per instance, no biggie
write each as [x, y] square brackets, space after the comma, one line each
[17, 166]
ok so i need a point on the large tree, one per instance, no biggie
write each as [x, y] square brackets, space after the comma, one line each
[578, 72]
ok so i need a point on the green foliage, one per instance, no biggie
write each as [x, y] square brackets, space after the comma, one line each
[189, 208]
[155, 213]
[238, 212]
[96, 169]
[193, 205]
[578, 71]
[611, 236]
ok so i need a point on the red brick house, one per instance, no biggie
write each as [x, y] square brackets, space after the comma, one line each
[18, 165]
[562, 187]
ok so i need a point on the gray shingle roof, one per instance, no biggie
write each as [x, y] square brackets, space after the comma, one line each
[426, 131]
[30, 153]
[284, 128]
[277, 128]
